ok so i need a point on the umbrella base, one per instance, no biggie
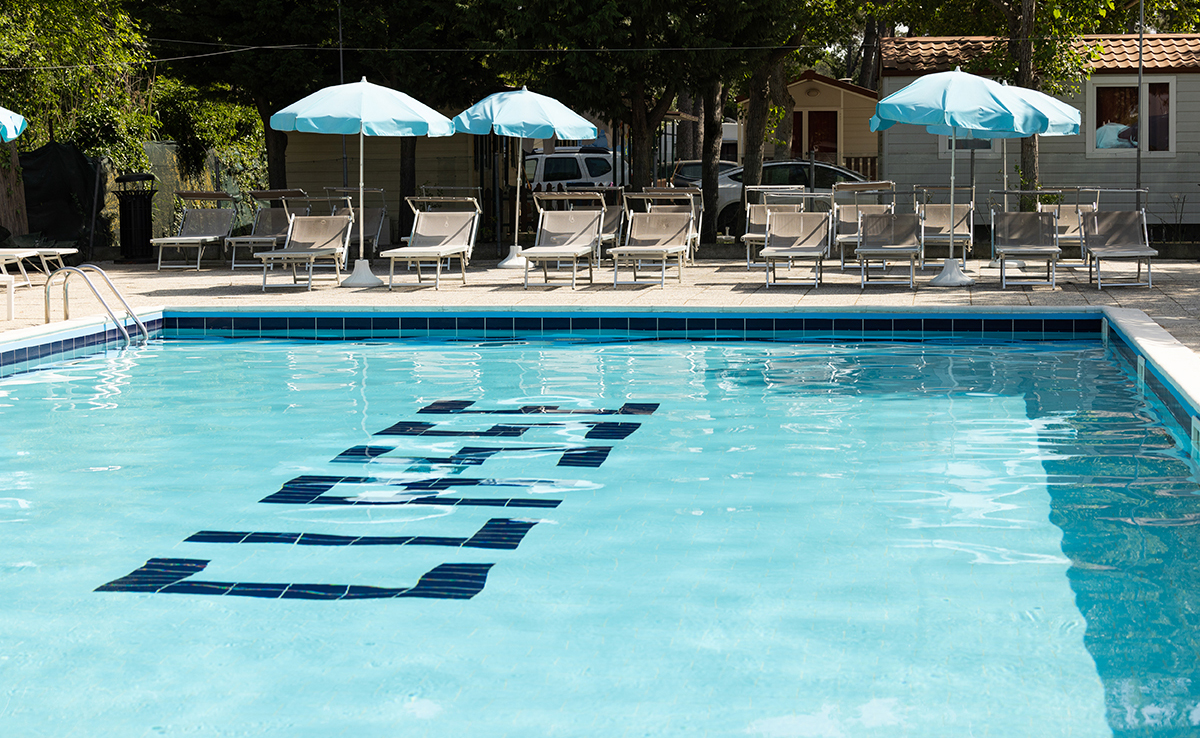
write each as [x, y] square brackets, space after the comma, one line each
[951, 276]
[362, 276]
[1014, 263]
[514, 260]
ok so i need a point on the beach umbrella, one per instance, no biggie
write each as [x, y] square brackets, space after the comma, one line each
[366, 110]
[522, 114]
[11, 125]
[957, 103]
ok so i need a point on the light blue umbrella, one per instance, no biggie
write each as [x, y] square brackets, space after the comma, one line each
[367, 110]
[522, 114]
[11, 125]
[954, 103]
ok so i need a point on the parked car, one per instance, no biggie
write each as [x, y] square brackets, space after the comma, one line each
[791, 172]
[687, 172]
[569, 168]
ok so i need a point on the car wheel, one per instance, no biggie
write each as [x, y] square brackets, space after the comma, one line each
[729, 222]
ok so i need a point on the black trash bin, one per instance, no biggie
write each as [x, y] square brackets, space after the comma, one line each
[135, 200]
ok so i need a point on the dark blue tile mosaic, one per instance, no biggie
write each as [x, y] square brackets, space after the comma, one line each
[169, 576]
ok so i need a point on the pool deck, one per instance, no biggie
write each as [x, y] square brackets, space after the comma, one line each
[1173, 302]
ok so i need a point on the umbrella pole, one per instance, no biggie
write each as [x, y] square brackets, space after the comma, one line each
[514, 260]
[362, 276]
[952, 275]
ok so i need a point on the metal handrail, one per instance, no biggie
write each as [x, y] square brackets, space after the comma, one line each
[82, 271]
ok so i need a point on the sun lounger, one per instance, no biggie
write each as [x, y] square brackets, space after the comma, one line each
[846, 218]
[372, 227]
[437, 236]
[680, 200]
[756, 226]
[849, 200]
[201, 227]
[16, 257]
[1024, 236]
[270, 225]
[935, 227]
[888, 237]
[653, 237]
[9, 284]
[794, 237]
[1117, 236]
[564, 235]
[311, 239]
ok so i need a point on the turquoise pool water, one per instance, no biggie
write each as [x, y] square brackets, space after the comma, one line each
[586, 538]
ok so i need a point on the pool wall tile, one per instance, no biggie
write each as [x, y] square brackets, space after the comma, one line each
[27, 349]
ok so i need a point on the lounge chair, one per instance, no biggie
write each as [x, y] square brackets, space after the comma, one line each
[1024, 236]
[16, 257]
[755, 236]
[270, 225]
[888, 237]
[1068, 221]
[564, 235]
[1117, 235]
[201, 227]
[796, 237]
[653, 237]
[680, 200]
[849, 199]
[9, 283]
[846, 218]
[935, 226]
[372, 225]
[311, 239]
[437, 236]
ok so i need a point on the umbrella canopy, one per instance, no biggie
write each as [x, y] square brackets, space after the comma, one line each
[963, 101]
[368, 110]
[362, 108]
[954, 103]
[523, 114]
[11, 125]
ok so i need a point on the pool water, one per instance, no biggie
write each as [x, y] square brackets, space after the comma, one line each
[593, 538]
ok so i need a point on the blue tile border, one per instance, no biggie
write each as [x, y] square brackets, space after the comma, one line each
[667, 324]
[689, 326]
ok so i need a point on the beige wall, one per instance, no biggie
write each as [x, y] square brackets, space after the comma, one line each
[314, 162]
[855, 137]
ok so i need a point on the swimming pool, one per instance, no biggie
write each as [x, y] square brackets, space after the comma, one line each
[796, 536]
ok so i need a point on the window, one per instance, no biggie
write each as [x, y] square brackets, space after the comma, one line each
[828, 176]
[597, 166]
[560, 168]
[983, 148]
[1115, 126]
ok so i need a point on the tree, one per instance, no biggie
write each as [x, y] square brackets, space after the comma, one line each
[76, 70]
[617, 59]
[266, 53]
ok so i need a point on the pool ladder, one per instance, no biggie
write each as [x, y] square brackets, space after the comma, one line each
[82, 270]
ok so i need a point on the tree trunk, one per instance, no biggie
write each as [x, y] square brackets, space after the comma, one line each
[714, 116]
[1021, 48]
[687, 146]
[755, 133]
[781, 96]
[13, 215]
[276, 144]
[868, 73]
[644, 119]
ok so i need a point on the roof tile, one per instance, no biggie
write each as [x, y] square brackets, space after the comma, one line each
[1162, 51]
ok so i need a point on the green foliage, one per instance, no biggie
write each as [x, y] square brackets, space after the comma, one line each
[74, 69]
[204, 121]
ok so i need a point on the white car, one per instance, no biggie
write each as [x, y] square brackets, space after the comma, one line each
[570, 168]
[792, 172]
